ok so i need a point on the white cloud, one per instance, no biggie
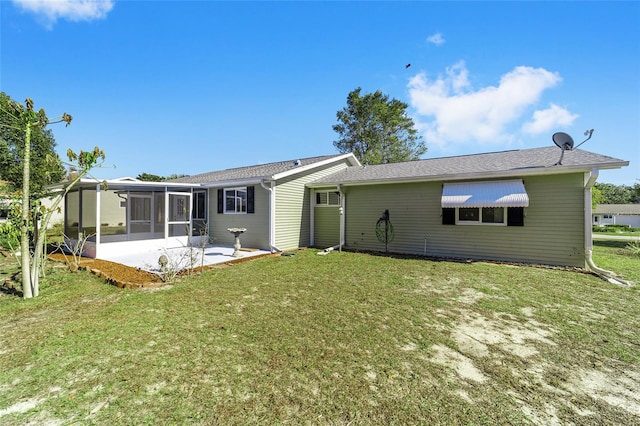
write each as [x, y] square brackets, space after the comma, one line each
[547, 119]
[450, 111]
[436, 39]
[49, 11]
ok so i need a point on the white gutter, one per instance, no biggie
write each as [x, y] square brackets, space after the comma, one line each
[98, 219]
[342, 215]
[610, 276]
[502, 174]
[272, 215]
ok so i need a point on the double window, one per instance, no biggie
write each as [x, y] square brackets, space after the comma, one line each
[327, 198]
[235, 200]
[509, 216]
[484, 203]
[488, 215]
[238, 200]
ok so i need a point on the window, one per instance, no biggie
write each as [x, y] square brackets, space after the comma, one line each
[510, 216]
[485, 215]
[236, 200]
[484, 203]
[199, 205]
[327, 198]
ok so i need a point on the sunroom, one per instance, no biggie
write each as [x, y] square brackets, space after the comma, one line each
[127, 215]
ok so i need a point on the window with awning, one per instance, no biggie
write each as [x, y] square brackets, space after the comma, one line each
[486, 203]
[503, 193]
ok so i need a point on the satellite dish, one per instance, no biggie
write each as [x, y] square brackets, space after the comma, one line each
[565, 142]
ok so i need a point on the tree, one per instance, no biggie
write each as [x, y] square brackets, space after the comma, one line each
[618, 194]
[148, 177]
[25, 121]
[596, 197]
[377, 130]
[45, 164]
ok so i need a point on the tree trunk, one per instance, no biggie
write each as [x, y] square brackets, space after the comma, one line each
[27, 291]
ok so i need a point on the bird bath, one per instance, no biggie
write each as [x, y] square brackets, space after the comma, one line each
[236, 246]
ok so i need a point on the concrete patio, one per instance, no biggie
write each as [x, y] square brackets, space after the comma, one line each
[181, 257]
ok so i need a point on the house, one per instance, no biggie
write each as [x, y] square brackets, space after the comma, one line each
[270, 200]
[513, 205]
[617, 214]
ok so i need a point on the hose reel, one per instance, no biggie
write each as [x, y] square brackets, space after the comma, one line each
[384, 230]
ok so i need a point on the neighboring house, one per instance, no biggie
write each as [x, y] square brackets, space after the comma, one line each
[513, 206]
[617, 214]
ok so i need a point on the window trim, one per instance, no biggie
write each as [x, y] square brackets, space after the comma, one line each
[328, 199]
[246, 198]
[479, 221]
[514, 217]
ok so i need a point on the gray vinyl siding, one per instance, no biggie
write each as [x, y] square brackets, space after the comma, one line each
[257, 224]
[326, 226]
[293, 207]
[553, 231]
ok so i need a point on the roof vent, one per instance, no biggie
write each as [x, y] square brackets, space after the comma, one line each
[296, 163]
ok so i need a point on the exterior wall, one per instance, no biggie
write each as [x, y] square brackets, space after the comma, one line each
[293, 201]
[257, 224]
[326, 226]
[553, 231]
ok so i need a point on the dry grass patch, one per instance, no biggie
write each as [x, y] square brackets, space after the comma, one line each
[340, 339]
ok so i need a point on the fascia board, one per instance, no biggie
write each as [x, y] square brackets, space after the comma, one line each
[352, 160]
[234, 183]
[538, 171]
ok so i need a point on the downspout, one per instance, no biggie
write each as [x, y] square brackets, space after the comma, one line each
[342, 222]
[590, 180]
[98, 218]
[272, 215]
[342, 219]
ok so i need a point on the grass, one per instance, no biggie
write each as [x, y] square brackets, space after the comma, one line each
[346, 338]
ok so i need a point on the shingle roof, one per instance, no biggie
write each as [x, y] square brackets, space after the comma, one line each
[261, 171]
[505, 163]
[617, 209]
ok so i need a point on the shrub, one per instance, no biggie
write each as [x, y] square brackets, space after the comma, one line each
[634, 247]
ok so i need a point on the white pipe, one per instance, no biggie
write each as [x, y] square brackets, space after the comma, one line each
[588, 237]
[342, 215]
[272, 215]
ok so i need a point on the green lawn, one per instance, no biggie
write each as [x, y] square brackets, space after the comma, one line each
[340, 339]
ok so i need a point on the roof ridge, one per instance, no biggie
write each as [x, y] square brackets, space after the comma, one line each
[271, 163]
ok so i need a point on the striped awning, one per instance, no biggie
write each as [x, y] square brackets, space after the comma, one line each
[503, 193]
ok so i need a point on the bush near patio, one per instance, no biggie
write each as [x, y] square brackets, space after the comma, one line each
[346, 338]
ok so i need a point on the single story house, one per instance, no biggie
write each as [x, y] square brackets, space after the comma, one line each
[617, 214]
[515, 205]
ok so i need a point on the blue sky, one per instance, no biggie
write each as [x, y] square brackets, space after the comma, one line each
[188, 87]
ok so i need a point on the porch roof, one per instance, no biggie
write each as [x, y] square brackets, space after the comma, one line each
[128, 183]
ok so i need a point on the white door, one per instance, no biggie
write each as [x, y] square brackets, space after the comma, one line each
[178, 223]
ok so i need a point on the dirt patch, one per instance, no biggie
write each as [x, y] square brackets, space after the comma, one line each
[129, 277]
[115, 273]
